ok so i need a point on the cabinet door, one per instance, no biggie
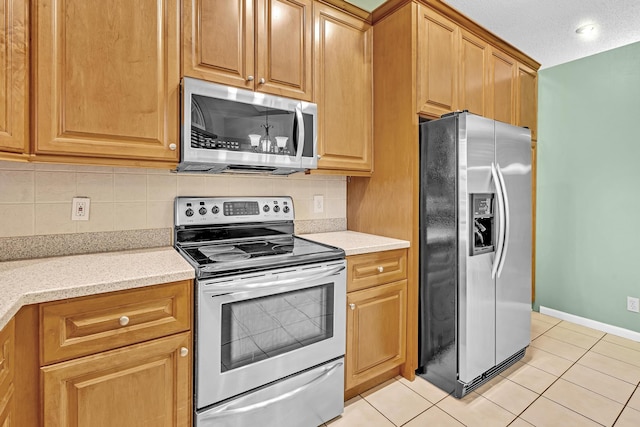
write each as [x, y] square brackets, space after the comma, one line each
[343, 88]
[14, 72]
[107, 79]
[142, 385]
[437, 62]
[218, 41]
[376, 331]
[7, 340]
[502, 72]
[283, 48]
[474, 73]
[527, 97]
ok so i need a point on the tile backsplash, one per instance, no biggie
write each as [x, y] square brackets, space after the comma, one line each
[35, 199]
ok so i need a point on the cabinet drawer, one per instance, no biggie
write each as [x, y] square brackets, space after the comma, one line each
[376, 268]
[87, 325]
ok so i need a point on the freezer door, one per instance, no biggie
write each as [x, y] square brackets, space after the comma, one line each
[476, 289]
[513, 283]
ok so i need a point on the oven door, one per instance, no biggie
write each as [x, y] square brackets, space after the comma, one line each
[256, 328]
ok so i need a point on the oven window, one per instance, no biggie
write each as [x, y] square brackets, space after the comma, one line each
[260, 328]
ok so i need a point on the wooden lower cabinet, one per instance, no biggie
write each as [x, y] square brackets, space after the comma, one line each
[7, 355]
[146, 384]
[376, 331]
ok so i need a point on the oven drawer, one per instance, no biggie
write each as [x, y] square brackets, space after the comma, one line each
[376, 268]
[88, 325]
[307, 399]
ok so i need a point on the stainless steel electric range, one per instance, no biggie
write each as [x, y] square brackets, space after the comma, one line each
[270, 314]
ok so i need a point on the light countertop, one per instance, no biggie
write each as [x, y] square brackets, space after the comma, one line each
[47, 279]
[356, 243]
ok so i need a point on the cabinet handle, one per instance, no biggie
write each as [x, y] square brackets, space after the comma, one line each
[124, 321]
[172, 147]
[319, 156]
[352, 306]
[184, 351]
[249, 78]
[262, 81]
[380, 269]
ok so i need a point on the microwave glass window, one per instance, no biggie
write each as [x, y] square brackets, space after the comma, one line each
[261, 328]
[220, 124]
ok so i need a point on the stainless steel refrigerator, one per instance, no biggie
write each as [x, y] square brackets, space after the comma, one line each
[475, 249]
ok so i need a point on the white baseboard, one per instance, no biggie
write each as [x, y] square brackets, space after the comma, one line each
[593, 324]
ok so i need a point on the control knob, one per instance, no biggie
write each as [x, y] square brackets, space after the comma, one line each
[202, 210]
[189, 212]
[265, 208]
[286, 209]
[215, 209]
[276, 208]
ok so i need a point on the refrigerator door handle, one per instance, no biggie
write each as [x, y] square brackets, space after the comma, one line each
[507, 221]
[501, 221]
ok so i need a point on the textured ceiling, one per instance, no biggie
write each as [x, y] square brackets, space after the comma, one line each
[545, 29]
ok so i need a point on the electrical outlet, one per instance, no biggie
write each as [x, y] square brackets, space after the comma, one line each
[80, 209]
[633, 304]
[318, 203]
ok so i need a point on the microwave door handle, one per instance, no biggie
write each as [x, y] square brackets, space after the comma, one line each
[300, 121]
[284, 280]
[507, 220]
[501, 224]
[228, 410]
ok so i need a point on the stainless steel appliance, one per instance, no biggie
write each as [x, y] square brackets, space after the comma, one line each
[475, 249]
[226, 129]
[270, 314]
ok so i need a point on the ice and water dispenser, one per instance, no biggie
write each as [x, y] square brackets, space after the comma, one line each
[482, 223]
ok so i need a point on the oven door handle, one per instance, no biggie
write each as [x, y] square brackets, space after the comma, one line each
[228, 410]
[283, 280]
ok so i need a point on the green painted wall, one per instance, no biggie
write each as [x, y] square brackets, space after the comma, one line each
[588, 217]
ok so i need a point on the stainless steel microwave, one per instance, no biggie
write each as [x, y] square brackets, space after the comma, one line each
[226, 129]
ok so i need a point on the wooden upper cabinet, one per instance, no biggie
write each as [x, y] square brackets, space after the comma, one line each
[264, 45]
[107, 79]
[502, 76]
[527, 96]
[14, 72]
[343, 88]
[474, 74]
[284, 49]
[437, 63]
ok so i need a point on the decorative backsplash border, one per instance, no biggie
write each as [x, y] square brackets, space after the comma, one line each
[50, 245]
[14, 248]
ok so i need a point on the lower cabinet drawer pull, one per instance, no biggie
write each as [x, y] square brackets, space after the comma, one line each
[124, 321]
[184, 351]
[380, 269]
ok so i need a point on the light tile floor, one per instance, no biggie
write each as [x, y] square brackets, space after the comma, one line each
[570, 376]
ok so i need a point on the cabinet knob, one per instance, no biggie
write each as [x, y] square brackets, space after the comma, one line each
[262, 81]
[352, 306]
[172, 147]
[184, 351]
[124, 321]
[380, 269]
[249, 78]
[319, 156]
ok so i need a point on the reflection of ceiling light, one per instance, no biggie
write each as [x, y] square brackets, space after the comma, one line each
[586, 29]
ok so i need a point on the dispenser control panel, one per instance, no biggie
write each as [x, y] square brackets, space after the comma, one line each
[482, 224]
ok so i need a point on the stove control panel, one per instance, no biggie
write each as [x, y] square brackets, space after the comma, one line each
[230, 210]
